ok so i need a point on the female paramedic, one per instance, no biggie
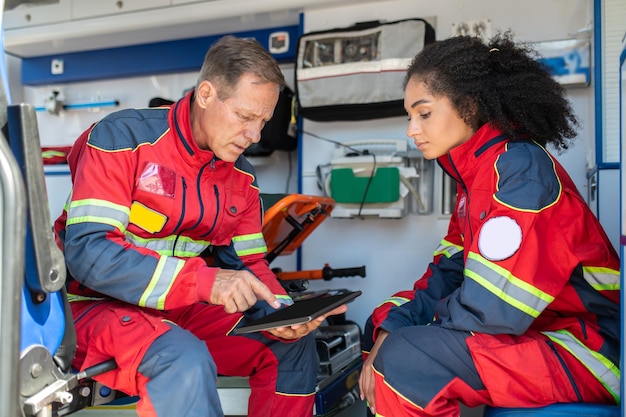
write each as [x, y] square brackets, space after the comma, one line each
[520, 305]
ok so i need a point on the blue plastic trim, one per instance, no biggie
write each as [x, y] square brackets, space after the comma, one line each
[42, 323]
[597, 53]
[79, 106]
[622, 89]
[140, 60]
[57, 173]
[300, 123]
[608, 165]
[299, 134]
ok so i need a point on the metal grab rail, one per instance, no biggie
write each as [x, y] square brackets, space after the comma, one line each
[12, 256]
[45, 272]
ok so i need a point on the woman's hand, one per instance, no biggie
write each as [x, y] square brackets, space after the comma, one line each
[299, 330]
[366, 379]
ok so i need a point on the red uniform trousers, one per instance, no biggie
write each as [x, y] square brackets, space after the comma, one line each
[427, 370]
[282, 375]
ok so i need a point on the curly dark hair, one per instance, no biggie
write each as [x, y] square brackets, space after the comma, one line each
[501, 83]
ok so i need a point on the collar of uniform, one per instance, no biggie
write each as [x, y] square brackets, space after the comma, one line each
[180, 122]
[464, 159]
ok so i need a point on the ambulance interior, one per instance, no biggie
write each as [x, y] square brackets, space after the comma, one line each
[66, 66]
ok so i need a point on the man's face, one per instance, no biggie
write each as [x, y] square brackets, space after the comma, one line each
[228, 127]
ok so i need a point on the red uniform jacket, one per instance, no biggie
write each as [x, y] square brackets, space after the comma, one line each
[146, 202]
[523, 252]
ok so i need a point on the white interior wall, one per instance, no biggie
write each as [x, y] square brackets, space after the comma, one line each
[395, 252]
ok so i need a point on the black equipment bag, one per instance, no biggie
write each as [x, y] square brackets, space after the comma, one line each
[276, 134]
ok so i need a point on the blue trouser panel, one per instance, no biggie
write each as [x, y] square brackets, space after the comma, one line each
[179, 358]
[420, 361]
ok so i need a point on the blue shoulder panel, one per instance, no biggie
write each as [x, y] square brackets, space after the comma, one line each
[128, 129]
[527, 177]
[244, 165]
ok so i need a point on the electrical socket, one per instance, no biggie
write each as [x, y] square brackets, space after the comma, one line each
[56, 67]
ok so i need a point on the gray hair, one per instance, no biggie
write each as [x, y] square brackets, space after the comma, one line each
[230, 58]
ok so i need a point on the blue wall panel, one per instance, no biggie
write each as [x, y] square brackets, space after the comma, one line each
[139, 60]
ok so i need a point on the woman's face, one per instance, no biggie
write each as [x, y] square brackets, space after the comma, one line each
[434, 124]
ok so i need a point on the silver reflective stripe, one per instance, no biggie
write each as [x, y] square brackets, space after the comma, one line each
[602, 278]
[164, 275]
[448, 249]
[505, 286]
[397, 301]
[603, 369]
[98, 211]
[185, 247]
[249, 244]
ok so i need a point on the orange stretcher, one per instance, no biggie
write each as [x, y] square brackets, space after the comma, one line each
[288, 221]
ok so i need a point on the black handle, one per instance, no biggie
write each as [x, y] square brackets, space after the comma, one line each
[329, 273]
[97, 369]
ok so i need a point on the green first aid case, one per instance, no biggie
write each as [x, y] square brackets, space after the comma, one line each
[347, 188]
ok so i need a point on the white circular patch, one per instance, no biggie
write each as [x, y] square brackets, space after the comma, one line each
[500, 238]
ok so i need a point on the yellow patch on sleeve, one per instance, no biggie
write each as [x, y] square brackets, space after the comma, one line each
[149, 220]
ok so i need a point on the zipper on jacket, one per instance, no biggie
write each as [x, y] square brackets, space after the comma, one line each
[91, 307]
[567, 372]
[467, 198]
[182, 209]
[200, 205]
[216, 191]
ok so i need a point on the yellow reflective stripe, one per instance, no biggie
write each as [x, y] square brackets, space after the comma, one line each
[395, 391]
[161, 282]
[74, 297]
[601, 278]
[52, 153]
[98, 211]
[603, 369]
[506, 286]
[185, 246]
[397, 301]
[284, 299]
[66, 205]
[249, 244]
[447, 248]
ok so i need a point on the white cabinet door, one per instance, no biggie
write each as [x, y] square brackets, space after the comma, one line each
[82, 9]
[26, 14]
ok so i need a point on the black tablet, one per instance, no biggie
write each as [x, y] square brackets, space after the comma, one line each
[298, 313]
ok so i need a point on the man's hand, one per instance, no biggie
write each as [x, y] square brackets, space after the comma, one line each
[299, 330]
[366, 379]
[237, 291]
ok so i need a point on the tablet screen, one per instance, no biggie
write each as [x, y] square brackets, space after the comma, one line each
[298, 313]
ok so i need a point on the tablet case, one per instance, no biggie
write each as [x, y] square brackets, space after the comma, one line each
[298, 313]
